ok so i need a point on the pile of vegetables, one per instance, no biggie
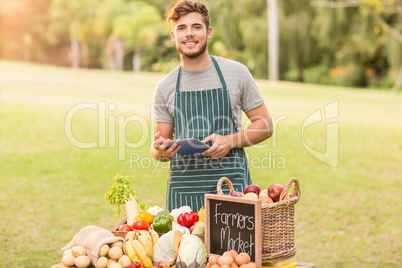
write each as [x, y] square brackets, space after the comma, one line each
[142, 244]
[140, 217]
[110, 256]
[155, 238]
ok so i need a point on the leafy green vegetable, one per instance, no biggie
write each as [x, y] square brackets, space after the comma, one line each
[192, 249]
[121, 192]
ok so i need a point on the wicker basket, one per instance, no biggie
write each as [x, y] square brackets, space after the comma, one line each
[277, 223]
[116, 231]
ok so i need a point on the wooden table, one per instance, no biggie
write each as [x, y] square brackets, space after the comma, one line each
[299, 265]
[305, 265]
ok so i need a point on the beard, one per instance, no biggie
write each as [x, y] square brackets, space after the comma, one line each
[193, 54]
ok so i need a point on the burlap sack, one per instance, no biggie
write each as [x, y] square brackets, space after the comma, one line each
[92, 238]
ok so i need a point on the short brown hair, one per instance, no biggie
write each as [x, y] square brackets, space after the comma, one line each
[184, 7]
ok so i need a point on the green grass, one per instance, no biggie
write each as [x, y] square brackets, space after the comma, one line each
[348, 216]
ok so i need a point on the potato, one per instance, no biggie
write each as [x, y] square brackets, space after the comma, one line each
[111, 261]
[78, 251]
[82, 261]
[67, 252]
[104, 250]
[68, 260]
[124, 261]
[115, 253]
[103, 262]
[114, 265]
[117, 244]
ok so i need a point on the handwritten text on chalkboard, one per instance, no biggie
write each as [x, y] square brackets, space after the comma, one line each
[231, 226]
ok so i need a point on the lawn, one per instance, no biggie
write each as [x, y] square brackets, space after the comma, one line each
[66, 133]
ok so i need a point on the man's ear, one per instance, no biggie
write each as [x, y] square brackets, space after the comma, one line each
[172, 36]
[209, 33]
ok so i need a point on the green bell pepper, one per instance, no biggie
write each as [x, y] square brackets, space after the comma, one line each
[163, 222]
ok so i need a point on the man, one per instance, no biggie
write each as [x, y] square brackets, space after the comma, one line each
[203, 98]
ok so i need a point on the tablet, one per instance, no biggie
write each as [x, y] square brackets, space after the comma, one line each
[189, 146]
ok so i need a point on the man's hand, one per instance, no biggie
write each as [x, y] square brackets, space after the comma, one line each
[159, 150]
[220, 147]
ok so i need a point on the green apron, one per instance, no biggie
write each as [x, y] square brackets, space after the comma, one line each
[197, 115]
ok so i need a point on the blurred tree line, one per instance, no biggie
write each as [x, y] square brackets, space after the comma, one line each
[345, 42]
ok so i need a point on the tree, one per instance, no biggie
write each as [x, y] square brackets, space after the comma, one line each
[136, 30]
[240, 32]
[384, 18]
[106, 13]
[298, 47]
[273, 40]
[72, 19]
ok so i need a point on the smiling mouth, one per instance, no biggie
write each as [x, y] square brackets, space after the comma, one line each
[190, 43]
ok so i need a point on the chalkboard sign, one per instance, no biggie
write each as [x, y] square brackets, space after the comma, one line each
[233, 223]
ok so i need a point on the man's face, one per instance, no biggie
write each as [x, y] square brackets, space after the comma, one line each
[190, 35]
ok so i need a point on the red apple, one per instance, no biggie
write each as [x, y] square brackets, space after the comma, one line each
[263, 193]
[237, 194]
[253, 188]
[266, 200]
[274, 191]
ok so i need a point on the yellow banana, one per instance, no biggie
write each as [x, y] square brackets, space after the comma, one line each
[129, 236]
[141, 253]
[155, 237]
[131, 252]
[146, 241]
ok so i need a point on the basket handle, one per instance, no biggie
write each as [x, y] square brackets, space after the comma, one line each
[219, 186]
[296, 190]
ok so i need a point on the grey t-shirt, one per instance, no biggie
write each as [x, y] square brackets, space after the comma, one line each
[243, 91]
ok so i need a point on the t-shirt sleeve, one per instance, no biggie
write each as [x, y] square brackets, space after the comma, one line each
[251, 97]
[161, 107]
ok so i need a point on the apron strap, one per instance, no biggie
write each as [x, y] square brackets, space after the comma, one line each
[178, 80]
[217, 69]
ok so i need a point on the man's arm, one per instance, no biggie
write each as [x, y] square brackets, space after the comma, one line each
[259, 130]
[163, 136]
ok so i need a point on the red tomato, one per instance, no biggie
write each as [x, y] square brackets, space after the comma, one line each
[125, 228]
[140, 225]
